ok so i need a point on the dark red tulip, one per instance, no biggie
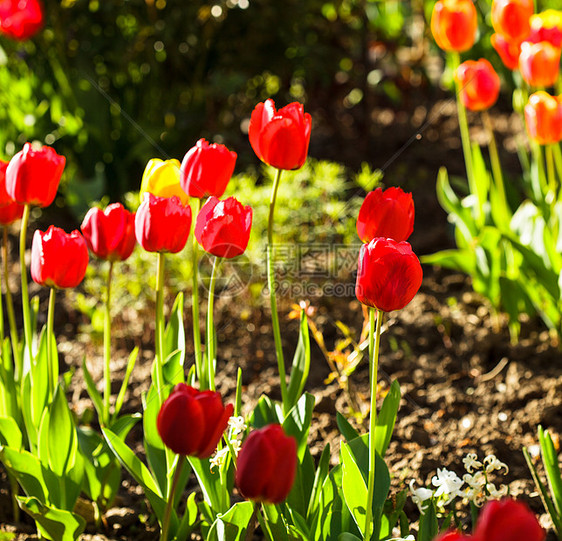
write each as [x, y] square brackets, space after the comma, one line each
[389, 274]
[191, 422]
[509, 51]
[388, 213]
[10, 211]
[20, 19]
[162, 224]
[511, 18]
[33, 175]
[454, 24]
[455, 536]
[223, 227]
[110, 234]
[280, 138]
[479, 84]
[58, 259]
[206, 169]
[266, 466]
[508, 519]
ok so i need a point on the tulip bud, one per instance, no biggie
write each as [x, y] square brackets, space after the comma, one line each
[266, 465]
[58, 259]
[20, 19]
[508, 50]
[162, 224]
[206, 169]
[191, 422]
[389, 274]
[33, 176]
[280, 138]
[162, 178]
[454, 24]
[543, 118]
[479, 84]
[10, 211]
[511, 18]
[110, 234]
[223, 227]
[539, 63]
[388, 213]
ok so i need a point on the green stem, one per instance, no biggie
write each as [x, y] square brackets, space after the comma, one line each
[24, 292]
[272, 293]
[159, 331]
[171, 498]
[210, 345]
[107, 346]
[14, 490]
[195, 303]
[374, 344]
[50, 324]
[10, 309]
[551, 175]
[494, 158]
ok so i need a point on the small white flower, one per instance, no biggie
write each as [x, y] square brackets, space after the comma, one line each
[448, 484]
[471, 462]
[420, 495]
[409, 538]
[217, 460]
[491, 463]
[237, 425]
[476, 481]
[496, 493]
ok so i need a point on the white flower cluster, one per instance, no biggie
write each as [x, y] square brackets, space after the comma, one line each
[475, 485]
[236, 426]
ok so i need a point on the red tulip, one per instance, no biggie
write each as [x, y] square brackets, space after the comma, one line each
[539, 63]
[543, 118]
[191, 422]
[511, 18]
[10, 211]
[508, 519]
[223, 227]
[110, 234]
[389, 274]
[454, 24]
[162, 224]
[266, 465]
[280, 138]
[206, 169]
[33, 175]
[547, 26]
[479, 84]
[386, 214]
[508, 50]
[58, 259]
[455, 536]
[20, 19]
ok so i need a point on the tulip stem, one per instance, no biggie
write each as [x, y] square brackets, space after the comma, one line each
[10, 309]
[272, 293]
[374, 344]
[195, 302]
[171, 498]
[558, 160]
[210, 346]
[159, 331]
[107, 346]
[50, 356]
[551, 175]
[24, 292]
[494, 159]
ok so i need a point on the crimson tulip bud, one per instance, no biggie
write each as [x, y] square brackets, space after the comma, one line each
[266, 466]
[206, 169]
[58, 259]
[33, 176]
[508, 519]
[511, 18]
[223, 227]
[162, 224]
[191, 422]
[110, 234]
[389, 274]
[479, 84]
[388, 213]
[454, 24]
[280, 138]
[509, 51]
[543, 118]
[10, 211]
[539, 63]
[20, 19]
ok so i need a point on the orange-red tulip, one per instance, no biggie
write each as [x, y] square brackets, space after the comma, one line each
[547, 26]
[21, 19]
[511, 18]
[539, 63]
[479, 84]
[543, 118]
[509, 51]
[454, 24]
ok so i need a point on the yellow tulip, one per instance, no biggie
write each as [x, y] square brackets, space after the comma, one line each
[162, 178]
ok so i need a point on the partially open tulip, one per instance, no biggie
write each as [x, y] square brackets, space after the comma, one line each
[389, 274]
[479, 84]
[266, 465]
[20, 19]
[539, 63]
[58, 259]
[388, 213]
[162, 224]
[543, 118]
[508, 50]
[191, 422]
[223, 227]
[547, 26]
[33, 175]
[110, 233]
[10, 211]
[511, 18]
[280, 138]
[162, 178]
[206, 169]
[454, 24]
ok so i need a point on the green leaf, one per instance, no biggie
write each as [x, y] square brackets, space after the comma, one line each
[189, 519]
[428, 528]
[93, 393]
[387, 418]
[264, 413]
[354, 487]
[301, 363]
[346, 430]
[174, 335]
[319, 478]
[61, 440]
[348, 537]
[121, 396]
[232, 525]
[297, 422]
[552, 468]
[172, 369]
[28, 471]
[455, 259]
[10, 433]
[215, 494]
